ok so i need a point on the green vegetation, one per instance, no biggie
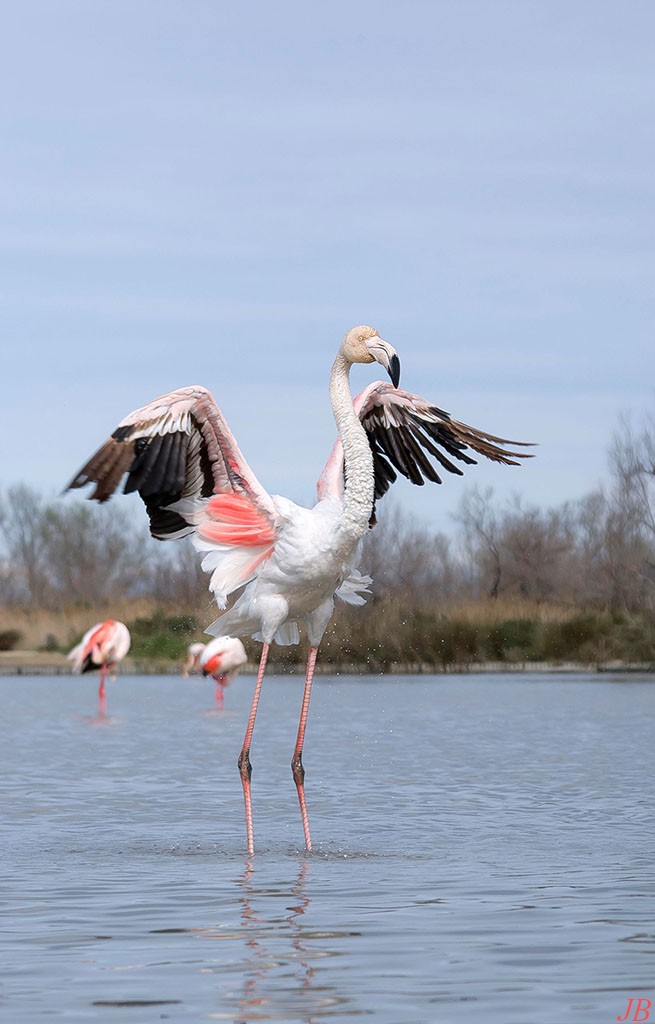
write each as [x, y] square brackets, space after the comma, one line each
[440, 641]
[384, 636]
[162, 636]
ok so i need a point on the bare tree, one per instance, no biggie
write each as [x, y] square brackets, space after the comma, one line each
[481, 537]
[58, 553]
[632, 462]
[405, 558]
[175, 576]
[535, 549]
[93, 554]
[23, 540]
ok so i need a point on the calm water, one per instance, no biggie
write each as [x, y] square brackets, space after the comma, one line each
[484, 852]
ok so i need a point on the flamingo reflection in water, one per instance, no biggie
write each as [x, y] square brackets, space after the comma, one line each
[281, 973]
[101, 648]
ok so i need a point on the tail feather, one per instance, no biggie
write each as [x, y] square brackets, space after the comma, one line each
[354, 587]
[232, 623]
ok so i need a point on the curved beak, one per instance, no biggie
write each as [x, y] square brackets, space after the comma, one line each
[394, 370]
[385, 354]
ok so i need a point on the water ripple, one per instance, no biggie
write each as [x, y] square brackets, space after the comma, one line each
[497, 867]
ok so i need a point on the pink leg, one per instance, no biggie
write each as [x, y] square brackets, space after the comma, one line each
[220, 689]
[245, 767]
[296, 761]
[102, 695]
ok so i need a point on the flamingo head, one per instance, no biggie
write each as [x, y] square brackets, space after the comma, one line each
[364, 345]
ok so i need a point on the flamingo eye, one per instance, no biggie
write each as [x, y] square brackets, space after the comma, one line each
[361, 337]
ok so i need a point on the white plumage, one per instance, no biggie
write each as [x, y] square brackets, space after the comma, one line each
[288, 562]
[106, 644]
[101, 648]
[223, 657]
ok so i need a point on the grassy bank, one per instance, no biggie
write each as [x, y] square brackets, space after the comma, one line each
[380, 637]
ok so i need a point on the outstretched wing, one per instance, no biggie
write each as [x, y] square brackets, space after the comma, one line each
[180, 456]
[408, 435]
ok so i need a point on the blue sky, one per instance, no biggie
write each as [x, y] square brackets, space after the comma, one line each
[203, 192]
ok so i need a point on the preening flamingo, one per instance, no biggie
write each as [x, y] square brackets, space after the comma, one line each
[192, 663]
[289, 562]
[102, 647]
[221, 659]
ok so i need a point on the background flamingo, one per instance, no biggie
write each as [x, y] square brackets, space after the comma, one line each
[222, 658]
[192, 663]
[102, 647]
[288, 562]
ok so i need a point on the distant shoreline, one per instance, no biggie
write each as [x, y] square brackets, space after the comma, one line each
[42, 663]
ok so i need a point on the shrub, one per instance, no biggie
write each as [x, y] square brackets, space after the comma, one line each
[9, 638]
[452, 641]
[513, 640]
[635, 640]
[582, 637]
[50, 643]
[162, 636]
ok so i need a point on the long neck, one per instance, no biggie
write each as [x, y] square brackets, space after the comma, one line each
[358, 460]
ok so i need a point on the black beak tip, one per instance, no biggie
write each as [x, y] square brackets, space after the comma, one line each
[394, 371]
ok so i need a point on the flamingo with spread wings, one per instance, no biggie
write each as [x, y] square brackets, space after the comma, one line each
[101, 648]
[289, 562]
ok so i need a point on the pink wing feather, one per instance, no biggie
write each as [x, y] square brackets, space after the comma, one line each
[179, 454]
